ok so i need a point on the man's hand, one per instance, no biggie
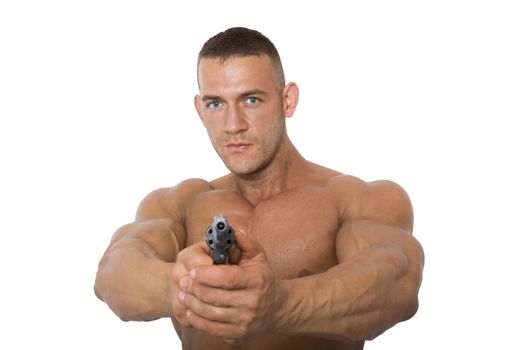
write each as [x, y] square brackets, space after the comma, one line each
[189, 258]
[233, 301]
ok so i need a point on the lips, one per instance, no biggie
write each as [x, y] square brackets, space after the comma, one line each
[237, 146]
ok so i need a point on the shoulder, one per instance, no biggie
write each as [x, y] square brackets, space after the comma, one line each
[167, 202]
[383, 201]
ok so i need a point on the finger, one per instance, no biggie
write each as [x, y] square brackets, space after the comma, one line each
[201, 247]
[194, 255]
[209, 295]
[234, 255]
[240, 299]
[220, 329]
[197, 254]
[180, 313]
[204, 310]
[230, 341]
[248, 245]
[178, 309]
[220, 276]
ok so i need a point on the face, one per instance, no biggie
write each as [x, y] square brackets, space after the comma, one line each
[243, 111]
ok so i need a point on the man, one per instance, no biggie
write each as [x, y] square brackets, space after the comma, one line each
[321, 260]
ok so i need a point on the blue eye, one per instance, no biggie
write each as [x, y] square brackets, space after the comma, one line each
[252, 100]
[214, 105]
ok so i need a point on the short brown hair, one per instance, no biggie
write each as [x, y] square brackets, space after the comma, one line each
[239, 41]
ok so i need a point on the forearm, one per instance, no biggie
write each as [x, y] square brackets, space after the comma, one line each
[134, 282]
[356, 300]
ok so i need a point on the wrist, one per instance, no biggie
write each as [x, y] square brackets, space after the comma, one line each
[283, 312]
[166, 284]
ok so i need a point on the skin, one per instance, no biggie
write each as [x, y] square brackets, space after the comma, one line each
[322, 260]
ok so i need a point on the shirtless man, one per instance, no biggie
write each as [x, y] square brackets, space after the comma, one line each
[321, 260]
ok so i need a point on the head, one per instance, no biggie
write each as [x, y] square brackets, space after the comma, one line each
[243, 42]
[243, 99]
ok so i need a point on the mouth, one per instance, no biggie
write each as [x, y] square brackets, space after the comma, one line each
[237, 146]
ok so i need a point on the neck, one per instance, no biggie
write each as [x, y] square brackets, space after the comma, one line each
[280, 175]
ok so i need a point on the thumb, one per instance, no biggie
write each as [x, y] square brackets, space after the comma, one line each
[248, 245]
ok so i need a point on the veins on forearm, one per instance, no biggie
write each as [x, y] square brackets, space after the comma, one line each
[357, 299]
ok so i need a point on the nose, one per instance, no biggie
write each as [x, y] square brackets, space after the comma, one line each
[235, 121]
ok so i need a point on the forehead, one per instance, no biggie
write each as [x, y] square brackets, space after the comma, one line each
[236, 74]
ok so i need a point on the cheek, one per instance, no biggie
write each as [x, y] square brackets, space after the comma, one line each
[212, 126]
[271, 135]
[262, 121]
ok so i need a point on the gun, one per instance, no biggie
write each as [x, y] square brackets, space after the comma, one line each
[219, 237]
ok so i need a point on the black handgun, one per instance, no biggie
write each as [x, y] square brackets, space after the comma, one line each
[219, 237]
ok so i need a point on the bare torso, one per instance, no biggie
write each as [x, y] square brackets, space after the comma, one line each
[338, 262]
[297, 229]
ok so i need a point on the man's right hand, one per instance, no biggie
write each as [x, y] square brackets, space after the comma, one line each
[195, 255]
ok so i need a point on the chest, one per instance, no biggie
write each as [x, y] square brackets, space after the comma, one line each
[297, 229]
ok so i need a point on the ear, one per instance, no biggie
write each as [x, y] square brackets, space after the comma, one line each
[198, 105]
[290, 99]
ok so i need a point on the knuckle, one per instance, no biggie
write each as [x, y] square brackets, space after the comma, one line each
[241, 331]
[203, 294]
[246, 320]
[251, 301]
[175, 271]
[213, 313]
[258, 281]
[198, 308]
[178, 308]
[176, 275]
[180, 315]
[182, 254]
[230, 279]
[230, 341]
[182, 320]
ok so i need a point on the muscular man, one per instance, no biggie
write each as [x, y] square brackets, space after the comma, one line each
[321, 260]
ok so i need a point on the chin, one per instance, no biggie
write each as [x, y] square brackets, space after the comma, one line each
[242, 167]
[241, 170]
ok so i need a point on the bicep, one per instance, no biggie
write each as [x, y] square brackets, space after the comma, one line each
[357, 236]
[159, 222]
[382, 217]
[163, 237]
[157, 229]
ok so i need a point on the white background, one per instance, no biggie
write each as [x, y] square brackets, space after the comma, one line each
[96, 111]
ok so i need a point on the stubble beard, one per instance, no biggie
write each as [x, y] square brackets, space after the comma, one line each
[260, 156]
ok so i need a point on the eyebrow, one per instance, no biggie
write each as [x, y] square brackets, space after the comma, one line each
[211, 97]
[243, 95]
[254, 92]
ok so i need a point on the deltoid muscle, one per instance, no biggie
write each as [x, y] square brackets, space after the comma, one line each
[219, 237]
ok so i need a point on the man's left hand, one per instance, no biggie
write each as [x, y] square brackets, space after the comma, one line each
[234, 301]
